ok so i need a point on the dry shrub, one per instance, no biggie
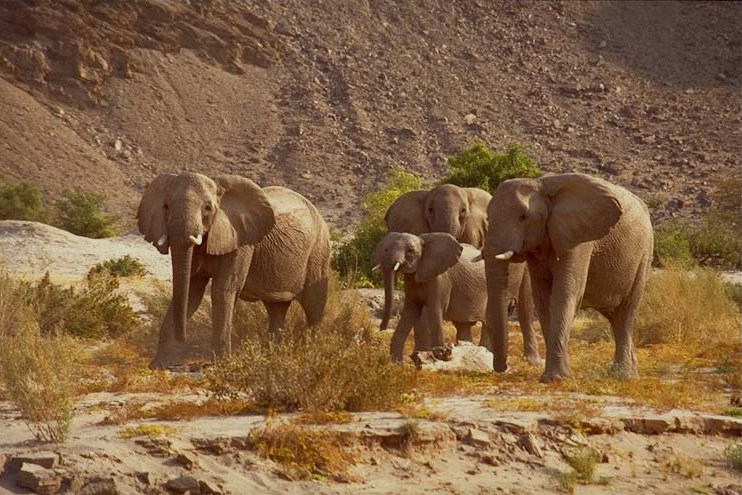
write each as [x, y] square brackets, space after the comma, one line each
[39, 377]
[687, 307]
[337, 365]
[583, 461]
[302, 452]
[38, 372]
[146, 430]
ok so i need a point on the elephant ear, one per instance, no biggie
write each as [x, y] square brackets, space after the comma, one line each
[583, 208]
[441, 251]
[407, 213]
[475, 230]
[244, 215]
[151, 217]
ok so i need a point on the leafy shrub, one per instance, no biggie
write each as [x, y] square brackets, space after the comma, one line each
[126, 266]
[334, 366]
[354, 257]
[22, 201]
[81, 214]
[672, 246]
[96, 310]
[687, 307]
[479, 166]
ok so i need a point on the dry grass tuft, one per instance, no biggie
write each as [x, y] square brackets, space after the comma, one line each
[323, 418]
[304, 453]
[146, 430]
[337, 365]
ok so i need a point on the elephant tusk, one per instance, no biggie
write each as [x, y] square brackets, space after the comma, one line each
[375, 268]
[197, 240]
[162, 240]
[396, 266]
[505, 256]
[477, 258]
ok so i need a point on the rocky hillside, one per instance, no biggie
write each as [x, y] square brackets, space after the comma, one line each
[326, 96]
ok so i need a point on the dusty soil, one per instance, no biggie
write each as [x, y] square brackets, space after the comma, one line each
[326, 96]
[467, 444]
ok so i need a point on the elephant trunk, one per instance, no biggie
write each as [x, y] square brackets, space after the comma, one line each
[181, 257]
[389, 278]
[496, 314]
[447, 223]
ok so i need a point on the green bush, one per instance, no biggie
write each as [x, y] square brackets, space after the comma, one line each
[81, 214]
[479, 166]
[126, 266]
[97, 310]
[672, 246]
[354, 257]
[21, 201]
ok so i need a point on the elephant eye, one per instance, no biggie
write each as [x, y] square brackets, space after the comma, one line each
[430, 209]
[208, 208]
[522, 217]
[165, 207]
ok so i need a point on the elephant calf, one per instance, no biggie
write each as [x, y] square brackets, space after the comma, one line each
[442, 278]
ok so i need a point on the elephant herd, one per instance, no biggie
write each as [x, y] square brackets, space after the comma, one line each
[547, 246]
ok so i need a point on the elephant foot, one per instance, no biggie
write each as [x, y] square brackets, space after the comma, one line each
[553, 376]
[623, 371]
[442, 352]
[168, 355]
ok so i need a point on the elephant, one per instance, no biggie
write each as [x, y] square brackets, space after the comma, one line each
[441, 277]
[259, 244]
[461, 212]
[587, 242]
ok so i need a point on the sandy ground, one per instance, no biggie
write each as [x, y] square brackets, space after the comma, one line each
[467, 447]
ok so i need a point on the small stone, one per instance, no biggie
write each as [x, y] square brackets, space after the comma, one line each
[48, 460]
[478, 438]
[184, 484]
[490, 459]
[99, 486]
[38, 479]
[528, 443]
[602, 44]
[187, 460]
[306, 175]
[208, 488]
[146, 478]
[117, 145]
[470, 118]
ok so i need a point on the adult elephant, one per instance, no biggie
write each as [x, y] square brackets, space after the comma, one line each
[588, 243]
[461, 212]
[267, 244]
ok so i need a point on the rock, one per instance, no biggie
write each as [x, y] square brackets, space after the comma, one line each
[184, 484]
[470, 118]
[306, 175]
[478, 438]
[602, 44]
[723, 425]
[648, 425]
[209, 488]
[490, 459]
[528, 443]
[187, 460]
[216, 446]
[99, 486]
[146, 478]
[48, 460]
[38, 479]
[431, 434]
[157, 447]
[117, 145]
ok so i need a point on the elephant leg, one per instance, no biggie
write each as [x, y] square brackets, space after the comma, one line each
[422, 333]
[569, 279]
[222, 308]
[170, 352]
[434, 317]
[525, 319]
[410, 315]
[463, 331]
[313, 300]
[276, 318]
[625, 363]
[485, 338]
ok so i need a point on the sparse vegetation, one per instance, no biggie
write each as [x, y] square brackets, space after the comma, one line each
[146, 430]
[684, 307]
[479, 166]
[303, 453]
[21, 201]
[583, 461]
[733, 455]
[354, 257]
[81, 213]
[38, 374]
[126, 266]
[335, 366]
